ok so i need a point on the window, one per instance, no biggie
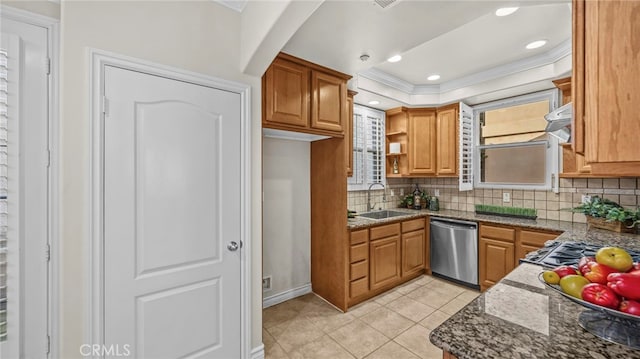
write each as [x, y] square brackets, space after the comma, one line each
[511, 149]
[368, 148]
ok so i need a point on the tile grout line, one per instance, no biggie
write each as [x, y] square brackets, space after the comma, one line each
[303, 315]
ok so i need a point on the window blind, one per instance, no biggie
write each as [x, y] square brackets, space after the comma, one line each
[375, 150]
[358, 150]
[4, 84]
[466, 148]
[368, 148]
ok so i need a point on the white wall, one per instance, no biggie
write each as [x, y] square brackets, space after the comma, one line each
[45, 8]
[266, 28]
[286, 214]
[199, 36]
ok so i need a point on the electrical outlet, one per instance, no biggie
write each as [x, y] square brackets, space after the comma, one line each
[266, 283]
[392, 193]
[506, 197]
[436, 192]
[585, 198]
[402, 191]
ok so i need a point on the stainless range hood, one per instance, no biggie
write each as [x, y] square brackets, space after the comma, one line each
[558, 122]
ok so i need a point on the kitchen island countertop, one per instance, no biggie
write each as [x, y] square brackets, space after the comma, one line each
[521, 318]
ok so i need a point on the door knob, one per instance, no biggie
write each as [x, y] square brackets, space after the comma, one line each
[233, 246]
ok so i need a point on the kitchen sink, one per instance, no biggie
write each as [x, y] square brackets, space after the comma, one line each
[382, 214]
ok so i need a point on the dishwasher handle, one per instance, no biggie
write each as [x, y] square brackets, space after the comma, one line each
[454, 224]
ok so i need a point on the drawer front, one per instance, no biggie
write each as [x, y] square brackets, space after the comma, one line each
[536, 238]
[503, 234]
[359, 287]
[385, 231]
[360, 236]
[359, 270]
[359, 252]
[413, 225]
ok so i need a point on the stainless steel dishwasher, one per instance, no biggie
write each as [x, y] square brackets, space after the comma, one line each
[454, 250]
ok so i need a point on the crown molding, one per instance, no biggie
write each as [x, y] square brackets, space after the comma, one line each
[237, 5]
[388, 80]
[529, 63]
[550, 57]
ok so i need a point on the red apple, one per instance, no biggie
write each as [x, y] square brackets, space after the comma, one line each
[635, 269]
[601, 295]
[564, 271]
[583, 264]
[597, 273]
[630, 306]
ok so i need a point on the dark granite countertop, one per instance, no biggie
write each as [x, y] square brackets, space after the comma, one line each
[520, 318]
[561, 226]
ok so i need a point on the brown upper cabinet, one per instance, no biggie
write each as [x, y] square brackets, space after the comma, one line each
[605, 90]
[428, 140]
[447, 140]
[422, 142]
[573, 164]
[304, 97]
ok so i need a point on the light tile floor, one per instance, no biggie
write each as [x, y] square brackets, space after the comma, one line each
[395, 324]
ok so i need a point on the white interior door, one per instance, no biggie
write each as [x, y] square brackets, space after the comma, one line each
[171, 215]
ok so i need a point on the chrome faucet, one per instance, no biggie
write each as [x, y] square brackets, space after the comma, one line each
[369, 206]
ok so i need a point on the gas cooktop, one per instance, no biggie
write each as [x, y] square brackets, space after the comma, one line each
[567, 253]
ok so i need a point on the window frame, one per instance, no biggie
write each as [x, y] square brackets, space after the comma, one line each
[364, 111]
[552, 152]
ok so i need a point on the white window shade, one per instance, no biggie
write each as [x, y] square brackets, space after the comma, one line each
[466, 148]
[3, 191]
[368, 148]
[358, 150]
[375, 150]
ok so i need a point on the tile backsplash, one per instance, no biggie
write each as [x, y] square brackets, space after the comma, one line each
[625, 191]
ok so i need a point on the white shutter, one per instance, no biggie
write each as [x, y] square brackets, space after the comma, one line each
[358, 177]
[375, 150]
[368, 148]
[3, 192]
[466, 148]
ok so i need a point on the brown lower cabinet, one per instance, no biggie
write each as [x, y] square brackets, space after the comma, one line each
[381, 257]
[385, 261]
[501, 247]
[413, 247]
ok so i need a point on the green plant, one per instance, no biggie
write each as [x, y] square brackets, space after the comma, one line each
[611, 211]
[525, 212]
[409, 200]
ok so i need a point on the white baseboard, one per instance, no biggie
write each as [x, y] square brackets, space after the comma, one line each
[258, 352]
[286, 295]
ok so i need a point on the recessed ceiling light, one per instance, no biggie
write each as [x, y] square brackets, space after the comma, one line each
[433, 77]
[504, 11]
[394, 58]
[374, 102]
[536, 44]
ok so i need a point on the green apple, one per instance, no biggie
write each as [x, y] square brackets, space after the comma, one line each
[614, 257]
[573, 284]
[551, 277]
